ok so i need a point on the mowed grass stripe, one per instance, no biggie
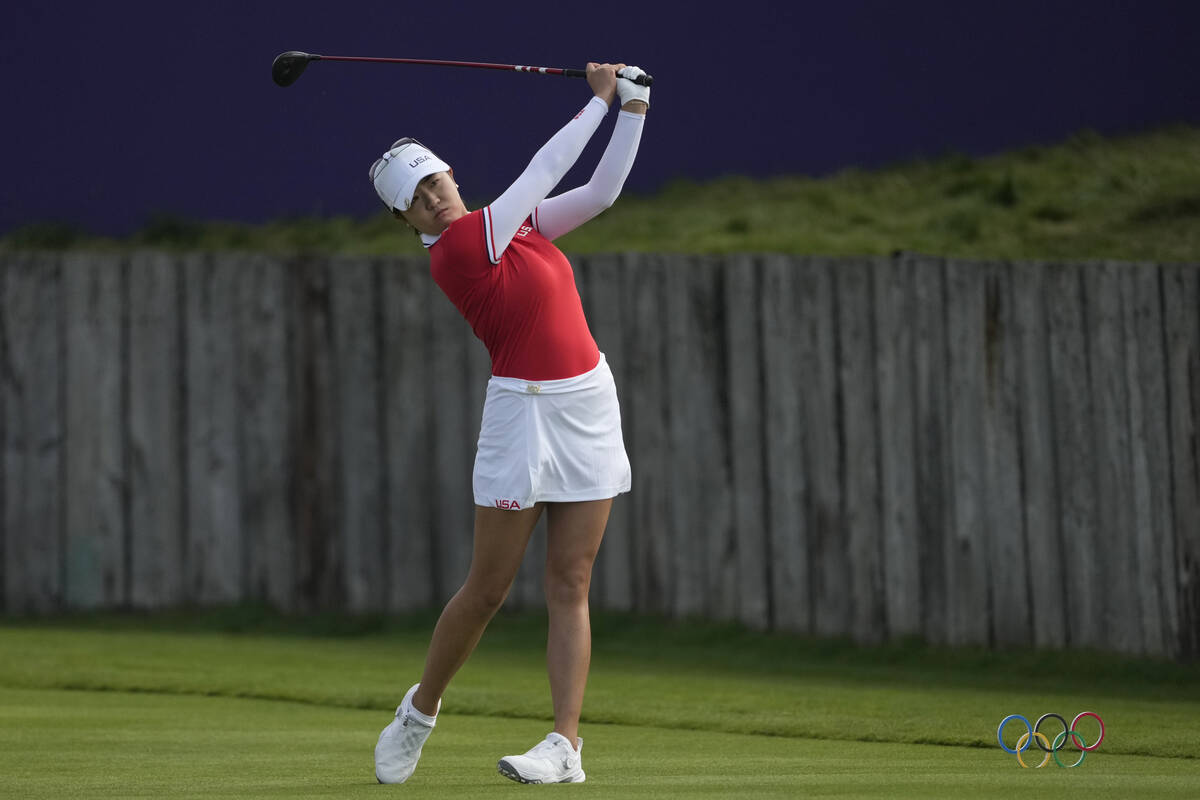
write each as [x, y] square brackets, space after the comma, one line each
[654, 677]
[113, 744]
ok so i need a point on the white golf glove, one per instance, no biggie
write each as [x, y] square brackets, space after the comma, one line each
[628, 90]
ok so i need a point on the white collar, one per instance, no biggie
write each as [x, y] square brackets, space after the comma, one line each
[428, 240]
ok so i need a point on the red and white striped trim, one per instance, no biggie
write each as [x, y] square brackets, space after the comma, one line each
[489, 235]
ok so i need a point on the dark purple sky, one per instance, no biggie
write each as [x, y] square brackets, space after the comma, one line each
[115, 112]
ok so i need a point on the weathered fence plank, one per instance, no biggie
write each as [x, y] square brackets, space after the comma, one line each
[744, 391]
[1048, 599]
[213, 553]
[646, 428]
[932, 446]
[1075, 458]
[1181, 291]
[705, 571]
[967, 585]
[1116, 553]
[312, 427]
[786, 384]
[265, 404]
[354, 295]
[1150, 461]
[155, 432]
[31, 346]
[828, 561]
[95, 477]
[1011, 612]
[894, 376]
[408, 412]
[860, 436]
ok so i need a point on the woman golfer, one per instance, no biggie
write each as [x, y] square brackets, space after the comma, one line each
[550, 440]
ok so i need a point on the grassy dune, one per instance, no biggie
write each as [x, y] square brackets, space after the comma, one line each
[1130, 198]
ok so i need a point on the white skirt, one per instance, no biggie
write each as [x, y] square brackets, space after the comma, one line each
[550, 441]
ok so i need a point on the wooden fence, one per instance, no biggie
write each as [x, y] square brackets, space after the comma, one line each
[965, 452]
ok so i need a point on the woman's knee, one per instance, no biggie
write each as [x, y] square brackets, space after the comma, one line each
[484, 598]
[568, 585]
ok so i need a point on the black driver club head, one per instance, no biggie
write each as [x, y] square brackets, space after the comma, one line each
[287, 67]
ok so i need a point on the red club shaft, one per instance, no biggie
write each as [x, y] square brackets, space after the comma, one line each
[288, 66]
[443, 63]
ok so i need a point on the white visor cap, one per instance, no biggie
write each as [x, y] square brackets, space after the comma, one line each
[402, 168]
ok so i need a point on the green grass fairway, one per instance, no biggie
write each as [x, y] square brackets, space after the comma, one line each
[153, 708]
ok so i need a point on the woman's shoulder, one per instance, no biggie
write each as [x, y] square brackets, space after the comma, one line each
[461, 231]
[462, 247]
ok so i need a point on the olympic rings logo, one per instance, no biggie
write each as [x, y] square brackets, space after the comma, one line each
[1033, 734]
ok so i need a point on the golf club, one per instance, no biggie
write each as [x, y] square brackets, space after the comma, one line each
[288, 66]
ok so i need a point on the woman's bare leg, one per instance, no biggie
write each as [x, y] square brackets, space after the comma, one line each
[500, 540]
[574, 531]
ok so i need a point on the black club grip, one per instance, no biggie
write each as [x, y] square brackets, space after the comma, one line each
[641, 80]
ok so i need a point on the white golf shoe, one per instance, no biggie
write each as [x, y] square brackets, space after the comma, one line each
[400, 743]
[551, 760]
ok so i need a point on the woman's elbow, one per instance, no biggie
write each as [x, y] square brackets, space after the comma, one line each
[606, 200]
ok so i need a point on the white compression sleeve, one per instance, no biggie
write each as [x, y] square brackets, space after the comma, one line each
[566, 212]
[504, 216]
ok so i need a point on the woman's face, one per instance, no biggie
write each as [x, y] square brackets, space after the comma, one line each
[435, 204]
